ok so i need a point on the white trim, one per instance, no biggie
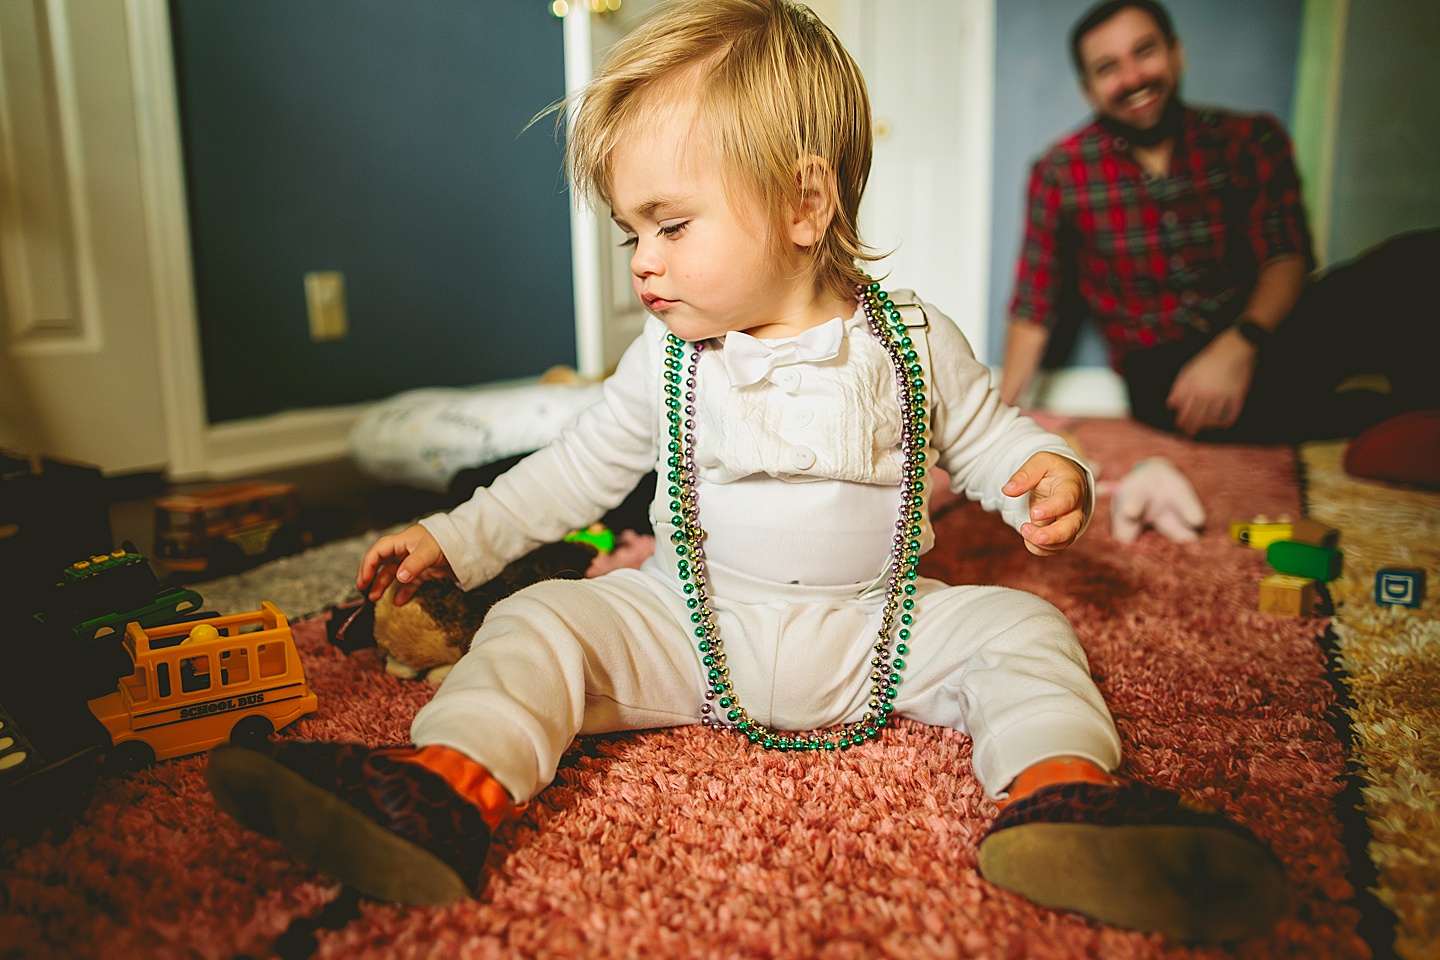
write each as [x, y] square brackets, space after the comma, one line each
[82, 332]
[584, 226]
[276, 442]
[1325, 177]
[13, 257]
[975, 168]
[167, 234]
[72, 150]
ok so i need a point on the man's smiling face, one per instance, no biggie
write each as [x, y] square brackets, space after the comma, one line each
[1131, 72]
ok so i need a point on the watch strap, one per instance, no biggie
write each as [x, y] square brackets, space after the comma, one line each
[1252, 331]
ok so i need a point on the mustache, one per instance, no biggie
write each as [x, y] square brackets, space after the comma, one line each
[1158, 89]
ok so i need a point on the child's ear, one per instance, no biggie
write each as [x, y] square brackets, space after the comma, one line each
[812, 215]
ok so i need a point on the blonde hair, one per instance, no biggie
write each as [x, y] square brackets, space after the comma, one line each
[773, 88]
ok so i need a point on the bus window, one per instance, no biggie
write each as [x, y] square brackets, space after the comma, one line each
[162, 679]
[234, 667]
[272, 659]
[174, 519]
[195, 673]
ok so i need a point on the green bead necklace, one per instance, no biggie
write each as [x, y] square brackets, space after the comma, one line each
[721, 709]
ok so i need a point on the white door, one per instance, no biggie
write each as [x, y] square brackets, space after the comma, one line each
[78, 354]
[929, 67]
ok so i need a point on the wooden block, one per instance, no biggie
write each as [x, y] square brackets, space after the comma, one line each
[1399, 586]
[1313, 532]
[1288, 596]
[1304, 560]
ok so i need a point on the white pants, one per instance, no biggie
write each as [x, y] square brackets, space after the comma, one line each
[618, 652]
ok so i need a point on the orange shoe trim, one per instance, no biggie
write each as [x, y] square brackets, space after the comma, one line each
[1047, 773]
[470, 780]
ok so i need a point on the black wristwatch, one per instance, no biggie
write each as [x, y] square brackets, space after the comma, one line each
[1253, 332]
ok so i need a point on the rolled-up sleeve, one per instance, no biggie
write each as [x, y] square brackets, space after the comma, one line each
[1038, 271]
[1276, 226]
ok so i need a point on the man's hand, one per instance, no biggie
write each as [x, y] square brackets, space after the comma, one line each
[1210, 390]
[410, 556]
[1056, 486]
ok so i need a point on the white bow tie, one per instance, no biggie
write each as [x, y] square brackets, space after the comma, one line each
[748, 360]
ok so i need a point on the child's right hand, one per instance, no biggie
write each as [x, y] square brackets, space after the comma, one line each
[410, 556]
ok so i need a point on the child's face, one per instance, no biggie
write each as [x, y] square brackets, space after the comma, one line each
[699, 262]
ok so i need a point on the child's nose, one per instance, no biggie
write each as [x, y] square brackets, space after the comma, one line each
[644, 262]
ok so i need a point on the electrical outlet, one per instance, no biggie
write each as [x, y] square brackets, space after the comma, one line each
[325, 298]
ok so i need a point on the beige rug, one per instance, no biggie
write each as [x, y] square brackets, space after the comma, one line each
[1392, 657]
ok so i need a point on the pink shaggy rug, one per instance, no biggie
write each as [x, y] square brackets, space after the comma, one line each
[681, 844]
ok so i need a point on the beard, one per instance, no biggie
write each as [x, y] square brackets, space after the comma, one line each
[1166, 127]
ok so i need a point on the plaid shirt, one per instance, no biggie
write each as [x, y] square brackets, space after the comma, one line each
[1151, 257]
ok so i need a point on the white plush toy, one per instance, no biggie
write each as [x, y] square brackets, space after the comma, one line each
[1156, 494]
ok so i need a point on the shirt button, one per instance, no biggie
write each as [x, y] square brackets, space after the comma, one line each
[787, 379]
[1170, 218]
[802, 458]
[801, 418]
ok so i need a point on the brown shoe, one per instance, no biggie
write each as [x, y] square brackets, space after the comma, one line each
[393, 830]
[1136, 857]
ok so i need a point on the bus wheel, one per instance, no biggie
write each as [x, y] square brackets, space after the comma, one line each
[130, 756]
[251, 732]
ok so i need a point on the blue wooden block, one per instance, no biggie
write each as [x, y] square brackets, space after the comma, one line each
[1399, 586]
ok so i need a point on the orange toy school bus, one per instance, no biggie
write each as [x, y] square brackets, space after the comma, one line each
[223, 527]
[200, 684]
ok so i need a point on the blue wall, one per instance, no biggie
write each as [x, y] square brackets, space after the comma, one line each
[1240, 56]
[385, 140]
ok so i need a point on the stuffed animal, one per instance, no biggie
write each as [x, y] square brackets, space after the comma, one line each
[1156, 494]
[427, 636]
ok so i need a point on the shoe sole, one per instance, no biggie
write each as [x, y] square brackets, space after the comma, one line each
[1201, 884]
[327, 833]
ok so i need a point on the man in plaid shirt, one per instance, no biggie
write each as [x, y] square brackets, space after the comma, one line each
[1181, 232]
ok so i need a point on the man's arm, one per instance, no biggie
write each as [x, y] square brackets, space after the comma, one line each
[1040, 270]
[1024, 348]
[1277, 289]
[1210, 390]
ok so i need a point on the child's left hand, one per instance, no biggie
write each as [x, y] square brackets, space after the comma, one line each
[1057, 502]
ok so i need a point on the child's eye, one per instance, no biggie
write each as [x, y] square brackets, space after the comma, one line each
[672, 230]
[629, 241]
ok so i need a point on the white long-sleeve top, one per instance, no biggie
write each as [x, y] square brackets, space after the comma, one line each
[798, 475]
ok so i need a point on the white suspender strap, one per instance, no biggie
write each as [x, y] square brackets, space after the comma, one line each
[918, 325]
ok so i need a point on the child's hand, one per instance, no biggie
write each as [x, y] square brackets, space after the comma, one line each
[1057, 502]
[410, 556]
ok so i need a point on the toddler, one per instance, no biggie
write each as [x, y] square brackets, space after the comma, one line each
[792, 410]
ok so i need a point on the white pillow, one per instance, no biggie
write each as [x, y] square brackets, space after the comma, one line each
[423, 438]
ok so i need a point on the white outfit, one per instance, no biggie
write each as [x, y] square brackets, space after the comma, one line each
[798, 482]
